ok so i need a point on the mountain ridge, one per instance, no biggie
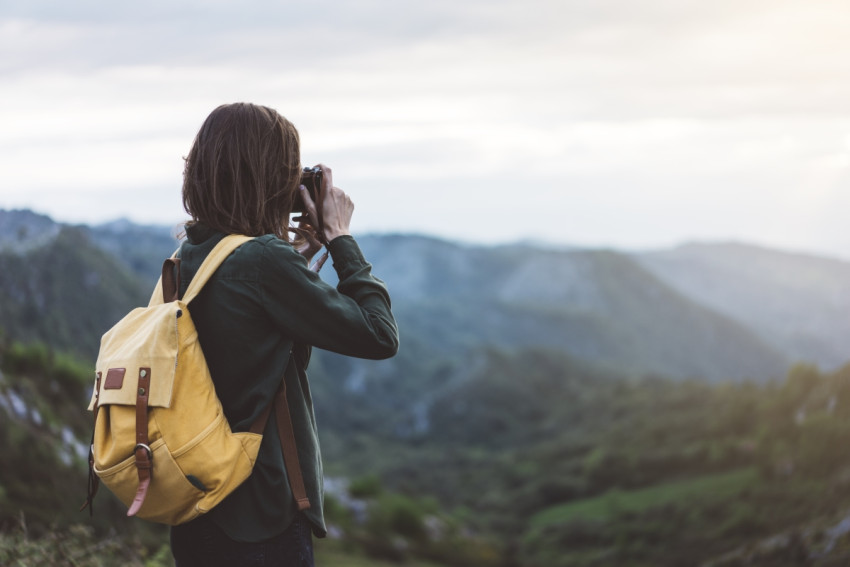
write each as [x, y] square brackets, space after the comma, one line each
[794, 300]
[600, 305]
[584, 302]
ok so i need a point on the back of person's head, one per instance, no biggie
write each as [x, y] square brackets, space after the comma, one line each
[243, 170]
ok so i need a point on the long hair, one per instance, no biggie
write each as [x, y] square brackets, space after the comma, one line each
[243, 170]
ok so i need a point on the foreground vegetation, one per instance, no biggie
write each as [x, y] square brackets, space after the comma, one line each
[42, 484]
[522, 459]
[568, 464]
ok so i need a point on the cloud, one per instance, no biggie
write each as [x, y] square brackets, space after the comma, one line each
[601, 121]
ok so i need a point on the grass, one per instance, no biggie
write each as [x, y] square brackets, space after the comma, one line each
[78, 546]
[717, 487]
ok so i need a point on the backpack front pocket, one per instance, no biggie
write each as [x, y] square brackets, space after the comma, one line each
[171, 499]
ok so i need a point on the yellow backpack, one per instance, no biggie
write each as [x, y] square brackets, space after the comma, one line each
[161, 442]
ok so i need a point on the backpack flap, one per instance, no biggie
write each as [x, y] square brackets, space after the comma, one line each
[146, 338]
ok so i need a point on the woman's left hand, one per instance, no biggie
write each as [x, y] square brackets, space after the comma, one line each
[309, 244]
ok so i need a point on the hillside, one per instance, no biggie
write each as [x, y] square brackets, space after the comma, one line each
[63, 290]
[140, 248]
[797, 303]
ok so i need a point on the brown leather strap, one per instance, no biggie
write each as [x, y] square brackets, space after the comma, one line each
[170, 279]
[288, 446]
[144, 457]
[259, 425]
[290, 449]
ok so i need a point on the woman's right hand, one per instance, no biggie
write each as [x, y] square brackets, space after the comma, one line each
[337, 207]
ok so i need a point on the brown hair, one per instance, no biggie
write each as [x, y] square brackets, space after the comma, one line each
[242, 172]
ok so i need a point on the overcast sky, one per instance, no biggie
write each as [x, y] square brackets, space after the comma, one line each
[591, 122]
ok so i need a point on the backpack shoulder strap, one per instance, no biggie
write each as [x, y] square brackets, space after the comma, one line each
[288, 445]
[210, 264]
[161, 291]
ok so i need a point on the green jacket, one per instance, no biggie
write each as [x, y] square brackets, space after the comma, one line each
[260, 305]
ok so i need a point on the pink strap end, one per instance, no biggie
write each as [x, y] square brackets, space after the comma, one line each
[141, 493]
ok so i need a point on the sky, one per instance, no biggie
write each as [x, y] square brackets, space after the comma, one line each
[608, 123]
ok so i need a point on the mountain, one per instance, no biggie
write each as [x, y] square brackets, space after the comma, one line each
[798, 303]
[718, 311]
[140, 248]
[23, 230]
[64, 290]
[595, 305]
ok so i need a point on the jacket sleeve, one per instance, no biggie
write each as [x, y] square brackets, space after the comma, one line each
[353, 319]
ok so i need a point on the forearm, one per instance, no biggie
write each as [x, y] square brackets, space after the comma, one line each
[355, 319]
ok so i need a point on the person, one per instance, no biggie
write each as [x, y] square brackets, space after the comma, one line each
[258, 318]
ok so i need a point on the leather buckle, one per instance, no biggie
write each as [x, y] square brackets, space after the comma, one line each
[146, 448]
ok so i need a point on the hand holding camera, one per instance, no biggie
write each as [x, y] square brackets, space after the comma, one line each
[328, 208]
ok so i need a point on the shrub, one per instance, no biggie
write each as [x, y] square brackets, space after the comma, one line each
[366, 487]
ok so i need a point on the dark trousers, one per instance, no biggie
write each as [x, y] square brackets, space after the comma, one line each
[201, 543]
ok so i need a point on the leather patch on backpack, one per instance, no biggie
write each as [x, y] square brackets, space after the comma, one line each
[114, 379]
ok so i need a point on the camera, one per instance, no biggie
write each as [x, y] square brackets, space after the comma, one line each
[311, 178]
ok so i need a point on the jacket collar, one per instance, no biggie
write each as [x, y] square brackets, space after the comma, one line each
[198, 233]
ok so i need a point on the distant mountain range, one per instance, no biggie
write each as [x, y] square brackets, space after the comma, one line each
[799, 304]
[708, 311]
[596, 305]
